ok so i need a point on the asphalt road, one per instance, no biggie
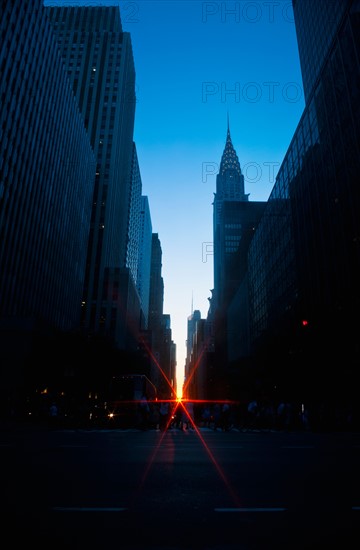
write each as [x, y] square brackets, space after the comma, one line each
[179, 490]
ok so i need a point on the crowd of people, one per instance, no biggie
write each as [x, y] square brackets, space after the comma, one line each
[252, 415]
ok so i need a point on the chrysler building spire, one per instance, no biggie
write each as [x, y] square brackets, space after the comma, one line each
[230, 180]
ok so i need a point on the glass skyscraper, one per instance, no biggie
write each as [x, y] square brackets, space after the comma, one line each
[304, 259]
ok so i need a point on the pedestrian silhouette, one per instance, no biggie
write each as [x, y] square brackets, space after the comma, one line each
[144, 413]
[53, 414]
[217, 416]
[164, 415]
[225, 417]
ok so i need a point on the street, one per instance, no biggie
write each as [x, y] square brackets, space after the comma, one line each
[178, 489]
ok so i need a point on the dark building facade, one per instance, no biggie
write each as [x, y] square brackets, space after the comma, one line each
[235, 219]
[191, 329]
[156, 303]
[159, 328]
[192, 321]
[144, 262]
[316, 28]
[168, 360]
[134, 229]
[227, 227]
[99, 60]
[304, 259]
[196, 373]
[47, 174]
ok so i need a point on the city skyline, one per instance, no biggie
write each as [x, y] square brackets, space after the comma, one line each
[197, 62]
[192, 136]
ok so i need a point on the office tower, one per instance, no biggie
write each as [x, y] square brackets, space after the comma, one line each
[47, 172]
[144, 263]
[133, 237]
[198, 387]
[316, 28]
[198, 382]
[167, 386]
[235, 220]
[304, 259]
[192, 321]
[227, 232]
[156, 304]
[99, 60]
[191, 328]
[173, 370]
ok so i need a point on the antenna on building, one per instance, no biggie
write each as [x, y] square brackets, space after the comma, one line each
[192, 302]
[228, 138]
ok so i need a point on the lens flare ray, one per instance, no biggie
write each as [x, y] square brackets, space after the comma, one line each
[181, 404]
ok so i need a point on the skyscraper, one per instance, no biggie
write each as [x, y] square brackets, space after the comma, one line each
[159, 326]
[134, 229]
[47, 173]
[304, 259]
[99, 61]
[234, 222]
[227, 227]
[191, 365]
[191, 329]
[316, 28]
[144, 263]
[156, 302]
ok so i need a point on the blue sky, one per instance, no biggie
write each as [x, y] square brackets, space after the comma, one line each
[195, 62]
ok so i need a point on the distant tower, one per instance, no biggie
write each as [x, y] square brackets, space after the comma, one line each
[192, 320]
[230, 180]
[144, 263]
[191, 327]
[235, 220]
[156, 297]
[227, 226]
